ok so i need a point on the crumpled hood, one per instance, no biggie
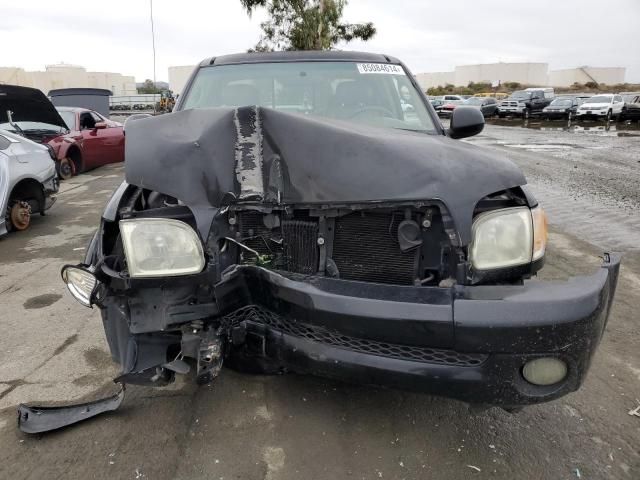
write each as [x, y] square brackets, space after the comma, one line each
[28, 105]
[209, 158]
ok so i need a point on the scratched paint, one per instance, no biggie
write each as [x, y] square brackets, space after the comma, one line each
[249, 153]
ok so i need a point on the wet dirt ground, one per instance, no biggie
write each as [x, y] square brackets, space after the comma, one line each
[294, 427]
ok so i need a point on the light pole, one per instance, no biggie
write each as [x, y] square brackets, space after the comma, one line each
[153, 46]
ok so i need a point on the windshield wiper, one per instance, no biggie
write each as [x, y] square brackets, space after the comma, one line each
[410, 130]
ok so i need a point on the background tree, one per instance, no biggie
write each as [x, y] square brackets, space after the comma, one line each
[148, 87]
[305, 24]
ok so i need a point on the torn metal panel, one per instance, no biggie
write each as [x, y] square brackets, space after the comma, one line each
[209, 158]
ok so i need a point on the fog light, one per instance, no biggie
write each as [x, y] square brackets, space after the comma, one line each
[81, 283]
[544, 371]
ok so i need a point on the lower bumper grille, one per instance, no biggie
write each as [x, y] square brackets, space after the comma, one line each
[259, 315]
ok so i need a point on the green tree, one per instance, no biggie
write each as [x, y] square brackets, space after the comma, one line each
[305, 24]
[148, 87]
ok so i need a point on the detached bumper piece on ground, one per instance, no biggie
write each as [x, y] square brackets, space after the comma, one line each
[39, 419]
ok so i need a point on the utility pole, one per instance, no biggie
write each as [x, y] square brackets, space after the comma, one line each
[153, 46]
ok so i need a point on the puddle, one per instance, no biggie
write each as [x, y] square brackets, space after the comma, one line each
[41, 301]
[535, 147]
[611, 129]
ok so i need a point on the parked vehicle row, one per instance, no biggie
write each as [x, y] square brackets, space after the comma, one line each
[40, 143]
[543, 102]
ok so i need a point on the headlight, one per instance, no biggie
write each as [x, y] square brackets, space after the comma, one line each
[508, 237]
[157, 247]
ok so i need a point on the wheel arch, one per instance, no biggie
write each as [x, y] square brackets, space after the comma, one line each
[28, 188]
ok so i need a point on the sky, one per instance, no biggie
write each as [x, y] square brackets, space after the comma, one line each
[428, 35]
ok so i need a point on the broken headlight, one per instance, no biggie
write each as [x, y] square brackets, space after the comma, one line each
[161, 247]
[508, 237]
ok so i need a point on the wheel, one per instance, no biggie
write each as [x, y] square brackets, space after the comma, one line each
[20, 215]
[65, 168]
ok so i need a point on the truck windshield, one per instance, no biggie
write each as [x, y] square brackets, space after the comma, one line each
[376, 94]
[521, 95]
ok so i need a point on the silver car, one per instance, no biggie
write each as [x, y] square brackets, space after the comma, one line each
[28, 181]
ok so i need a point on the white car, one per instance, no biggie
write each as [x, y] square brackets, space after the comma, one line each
[605, 106]
[454, 99]
[28, 181]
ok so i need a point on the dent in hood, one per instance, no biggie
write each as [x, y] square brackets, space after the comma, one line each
[209, 158]
[28, 105]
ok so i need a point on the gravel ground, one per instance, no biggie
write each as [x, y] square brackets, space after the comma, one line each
[294, 427]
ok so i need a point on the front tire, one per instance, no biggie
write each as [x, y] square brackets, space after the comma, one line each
[20, 216]
[65, 168]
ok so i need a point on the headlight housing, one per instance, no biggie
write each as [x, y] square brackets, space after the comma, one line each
[161, 247]
[507, 238]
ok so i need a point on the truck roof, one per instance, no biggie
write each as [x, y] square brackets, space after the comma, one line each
[299, 56]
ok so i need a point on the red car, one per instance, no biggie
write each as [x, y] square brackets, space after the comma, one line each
[98, 141]
[81, 139]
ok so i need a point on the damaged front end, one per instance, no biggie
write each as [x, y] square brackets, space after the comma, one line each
[280, 243]
[271, 204]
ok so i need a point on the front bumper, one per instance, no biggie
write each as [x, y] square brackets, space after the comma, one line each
[555, 114]
[468, 343]
[592, 113]
[50, 187]
[511, 110]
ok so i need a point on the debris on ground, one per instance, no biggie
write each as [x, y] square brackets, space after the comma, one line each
[473, 467]
[577, 471]
[635, 411]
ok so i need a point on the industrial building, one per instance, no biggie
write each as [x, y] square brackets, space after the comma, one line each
[178, 77]
[68, 76]
[567, 77]
[537, 74]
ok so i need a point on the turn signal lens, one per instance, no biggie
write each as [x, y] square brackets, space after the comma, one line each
[81, 284]
[540, 232]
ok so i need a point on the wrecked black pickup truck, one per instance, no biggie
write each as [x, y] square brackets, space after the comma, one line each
[291, 216]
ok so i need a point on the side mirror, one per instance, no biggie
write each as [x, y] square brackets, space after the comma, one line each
[100, 125]
[465, 122]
